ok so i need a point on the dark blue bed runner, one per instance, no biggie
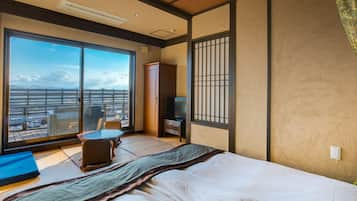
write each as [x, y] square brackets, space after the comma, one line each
[115, 181]
[17, 167]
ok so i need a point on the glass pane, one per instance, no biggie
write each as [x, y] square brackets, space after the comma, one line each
[106, 87]
[44, 89]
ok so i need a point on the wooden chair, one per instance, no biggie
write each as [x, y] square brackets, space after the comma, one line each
[92, 158]
[112, 124]
[115, 124]
[100, 124]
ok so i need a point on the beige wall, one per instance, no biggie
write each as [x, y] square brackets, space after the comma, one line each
[214, 21]
[251, 78]
[314, 89]
[314, 85]
[214, 137]
[211, 22]
[18, 23]
[177, 54]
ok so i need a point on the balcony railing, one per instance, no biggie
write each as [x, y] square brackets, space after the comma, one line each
[32, 111]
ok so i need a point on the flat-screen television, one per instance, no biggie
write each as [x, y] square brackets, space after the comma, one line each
[180, 107]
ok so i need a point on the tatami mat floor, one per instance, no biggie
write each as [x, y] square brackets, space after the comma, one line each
[60, 164]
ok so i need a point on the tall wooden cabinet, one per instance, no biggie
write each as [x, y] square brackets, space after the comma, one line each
[159, 86]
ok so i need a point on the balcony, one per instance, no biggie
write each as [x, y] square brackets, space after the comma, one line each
[40, 113]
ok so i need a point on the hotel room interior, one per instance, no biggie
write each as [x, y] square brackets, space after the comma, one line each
[190, 100]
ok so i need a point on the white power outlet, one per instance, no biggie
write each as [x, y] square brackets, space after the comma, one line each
[335, 152]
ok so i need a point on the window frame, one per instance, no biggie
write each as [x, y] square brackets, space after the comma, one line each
[202, 40]
[8, 33]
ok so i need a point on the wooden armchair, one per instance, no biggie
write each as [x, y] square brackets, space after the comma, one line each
[114, 124]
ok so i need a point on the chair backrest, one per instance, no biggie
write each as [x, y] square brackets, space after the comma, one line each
[112, 124]
[100, 123]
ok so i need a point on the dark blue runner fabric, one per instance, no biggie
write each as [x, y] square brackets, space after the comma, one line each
[116, 181]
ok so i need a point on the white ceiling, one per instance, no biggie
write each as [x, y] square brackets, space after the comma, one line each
[141, 17]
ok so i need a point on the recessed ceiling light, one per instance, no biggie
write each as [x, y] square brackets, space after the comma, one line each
[136, 14]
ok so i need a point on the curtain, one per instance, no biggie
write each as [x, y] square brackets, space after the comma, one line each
[348, 14]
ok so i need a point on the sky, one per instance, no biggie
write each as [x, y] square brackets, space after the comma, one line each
[38, 64]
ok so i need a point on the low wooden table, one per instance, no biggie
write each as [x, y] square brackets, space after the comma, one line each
[112, 135]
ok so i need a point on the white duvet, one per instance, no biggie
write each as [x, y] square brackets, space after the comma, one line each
[228, 176]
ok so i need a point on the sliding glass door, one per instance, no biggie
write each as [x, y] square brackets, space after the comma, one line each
[55, 89]
[106, 87]
[44, 87]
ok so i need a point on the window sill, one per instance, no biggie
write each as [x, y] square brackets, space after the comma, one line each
[48, 145]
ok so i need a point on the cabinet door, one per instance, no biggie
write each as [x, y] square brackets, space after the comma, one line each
[151, 100]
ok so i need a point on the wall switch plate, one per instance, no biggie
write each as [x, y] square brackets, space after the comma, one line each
[335, 152]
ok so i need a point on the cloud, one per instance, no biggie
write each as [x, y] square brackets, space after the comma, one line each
[25, 78]
[70, 79]
[54, 79]
[108, 81]
[60, 76]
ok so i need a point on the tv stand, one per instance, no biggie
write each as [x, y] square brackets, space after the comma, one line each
[175, 127]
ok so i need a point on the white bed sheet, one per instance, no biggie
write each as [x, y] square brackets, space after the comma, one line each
[228, 176]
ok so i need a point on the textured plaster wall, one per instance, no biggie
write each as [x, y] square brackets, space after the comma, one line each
[314, 89]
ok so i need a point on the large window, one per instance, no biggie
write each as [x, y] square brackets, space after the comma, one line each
[106, 86]
[56, 88]
[211, 80]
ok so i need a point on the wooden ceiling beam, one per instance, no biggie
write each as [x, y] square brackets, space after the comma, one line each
[45, 15]
[168, 8]
[211, 8]
[173, 1]
[177, 40]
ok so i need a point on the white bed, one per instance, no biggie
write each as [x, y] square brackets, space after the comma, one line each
[229, 176]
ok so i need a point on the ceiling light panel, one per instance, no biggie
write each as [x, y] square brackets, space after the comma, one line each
[90, 12]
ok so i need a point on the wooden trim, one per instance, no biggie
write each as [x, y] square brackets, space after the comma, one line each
[43, 146]
[211, 8]
[54, 144]
[168, 8]
[212, 36]
[45, 15]
[189, 81]
[232, 80]
[173, 1]
[210, 124]
[52, 39]
[81, 90]
[269, 66]
[6, 73]
[132, 91]
[177, 40]
[197, 55]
